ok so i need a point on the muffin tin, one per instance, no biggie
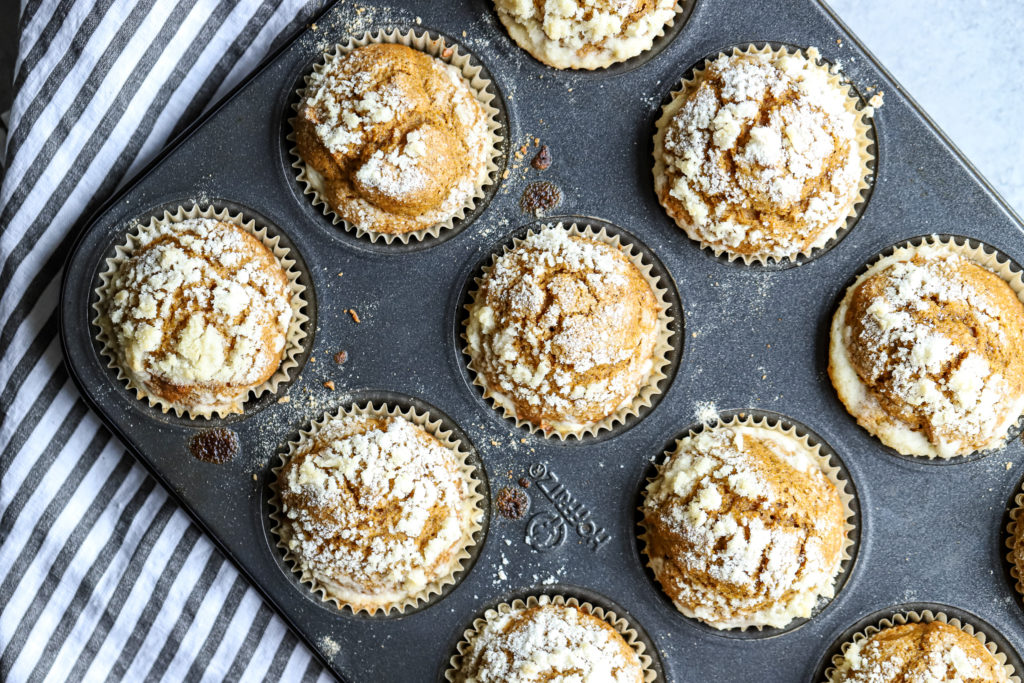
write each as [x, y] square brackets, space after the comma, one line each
[748, 339]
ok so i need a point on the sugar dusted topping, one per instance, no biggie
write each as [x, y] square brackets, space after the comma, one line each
[762, 156]
[549, 642]
[744, 528]
[935, 342]
[585, 34]
[396, 139]
[376, 509]
[563, 330]
[199, 313]
[920, 653]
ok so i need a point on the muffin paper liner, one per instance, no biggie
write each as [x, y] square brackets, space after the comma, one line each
[660, 355]
[439, 49]
[823, 461]
[922, 617]
[859, 402]
[472, 506]
[620, 624]
[864, 141]
[293, 338]
[1016, 519]
[568, 58]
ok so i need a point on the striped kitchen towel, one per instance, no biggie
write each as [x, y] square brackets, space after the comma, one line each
[102, 576]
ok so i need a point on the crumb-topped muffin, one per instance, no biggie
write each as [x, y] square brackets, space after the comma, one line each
[393, 139]
[562, 330]
[548, 642]
[585, 34]
[375, 511]
[198, 315]
[932, 651]
[761, 156]
[926, 353]
[743, 528]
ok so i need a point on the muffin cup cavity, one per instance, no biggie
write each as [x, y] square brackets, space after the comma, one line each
[294, 338]
[866, 141]
[831, 466]
[472, 535]
[900, 617]
[662, 355]
[855, 395]
[448, 52]
[620, 624]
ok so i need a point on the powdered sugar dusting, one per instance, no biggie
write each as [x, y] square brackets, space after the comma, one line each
[546, 643]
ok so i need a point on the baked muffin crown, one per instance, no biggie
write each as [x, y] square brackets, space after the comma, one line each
[563, 328]
[397, 137]
[375, 509]
[585, 34]
[763, 155]
[548, 642]
[925, 651]
[743, 528]
[199, 313]
[935, 340]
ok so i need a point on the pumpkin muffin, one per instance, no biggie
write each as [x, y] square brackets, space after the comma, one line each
[548, 642]
[562, 331]
[743, 528]
[375, 511]
[198, 315]
[762, 156]
[925, 353]
[932, 651]
[393, 139]
[585, 34]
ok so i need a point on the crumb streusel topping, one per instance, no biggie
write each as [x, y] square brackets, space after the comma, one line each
[199, 313]
[563, 330]
[761, 157]
[743, 528]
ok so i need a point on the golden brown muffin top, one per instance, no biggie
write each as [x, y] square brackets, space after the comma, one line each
[920, 653]
[743, 527]
[562, 330]
[199, 313]
[585, 34]
[762, 156]
[547, 643]
[376, 509]
[936, 340]
[398, 137]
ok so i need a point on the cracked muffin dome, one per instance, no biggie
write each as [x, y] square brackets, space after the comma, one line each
[585, 34]
[932, 651]
[743, 528]
[562, 331]
[925, 353]
[375, 511]
[393, 139]
[198, 315]
[548, 642]
[760, 156]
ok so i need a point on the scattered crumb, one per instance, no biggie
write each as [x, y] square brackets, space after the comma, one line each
[542, 160]
[329, 646]
[512, 503]
[254, 477]
[494, 443]
[418, 21]
[355, 316]
[284, 399]
[340, 274]
[524, 482]
[505, 173]
[312, 359]
[313, 26]
[1009, 466]
[329, 384]
[877, 100]
[706, 412]
[340, 357]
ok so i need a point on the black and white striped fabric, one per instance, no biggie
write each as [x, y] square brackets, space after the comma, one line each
[102, 576]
